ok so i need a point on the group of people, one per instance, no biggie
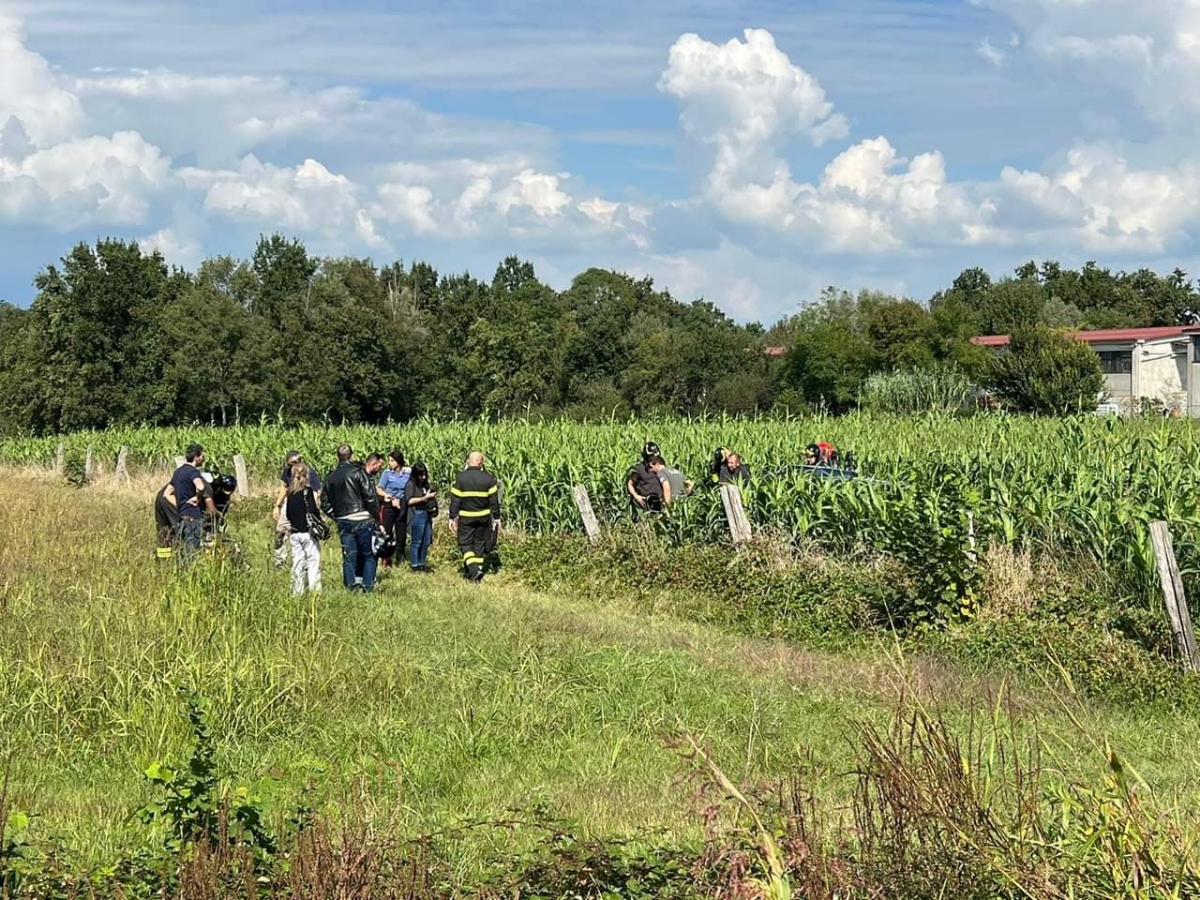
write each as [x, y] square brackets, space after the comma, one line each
[653, 486]
[189, 507]
[376, 516]
[382, 508]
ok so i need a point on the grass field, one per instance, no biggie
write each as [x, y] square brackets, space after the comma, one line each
[434, 703]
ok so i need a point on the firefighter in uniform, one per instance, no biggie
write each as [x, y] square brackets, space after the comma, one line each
[475, 514]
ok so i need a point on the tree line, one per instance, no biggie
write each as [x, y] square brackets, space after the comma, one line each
[116, 336]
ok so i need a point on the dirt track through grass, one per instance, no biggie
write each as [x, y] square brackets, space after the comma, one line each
[430, 703]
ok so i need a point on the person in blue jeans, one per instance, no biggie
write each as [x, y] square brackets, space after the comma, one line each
[189, 488]
[350, 500]
[420, 499]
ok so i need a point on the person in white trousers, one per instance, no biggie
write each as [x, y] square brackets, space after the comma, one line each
[281, 545]
[301, 502]
[306, 563]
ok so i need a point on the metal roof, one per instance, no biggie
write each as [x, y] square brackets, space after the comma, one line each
[1105, 336]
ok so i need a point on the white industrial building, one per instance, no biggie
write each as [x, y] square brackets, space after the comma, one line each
[1161, 364]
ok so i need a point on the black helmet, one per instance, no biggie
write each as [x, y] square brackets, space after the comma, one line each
[650, 449]
[225, 483]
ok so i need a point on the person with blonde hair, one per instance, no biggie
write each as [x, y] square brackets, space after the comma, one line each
[300, 505]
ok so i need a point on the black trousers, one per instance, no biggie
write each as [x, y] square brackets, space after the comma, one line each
[473, 539]
[166, 518]
[394, 522]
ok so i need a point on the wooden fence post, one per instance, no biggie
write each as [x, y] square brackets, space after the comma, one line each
[59, 456]
[87, 465]
[1173, 595]
[584, 502]
[739, 525]
[243, 479]
[122, 461]
[179, 461]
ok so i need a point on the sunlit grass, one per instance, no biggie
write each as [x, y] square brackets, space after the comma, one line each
[431, 702]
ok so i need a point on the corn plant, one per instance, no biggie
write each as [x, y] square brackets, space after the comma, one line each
[1083, 486]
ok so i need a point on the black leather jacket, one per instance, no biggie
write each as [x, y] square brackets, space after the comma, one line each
[348, 490]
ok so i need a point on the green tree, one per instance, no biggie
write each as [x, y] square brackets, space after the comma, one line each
[94, 339]
[831, 352]
[903, 335]
[1012, 304]
[1047, 373]
[283, 271]
[224, 363]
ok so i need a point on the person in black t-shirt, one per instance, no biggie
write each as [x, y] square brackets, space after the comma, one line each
[642, 484]
[300, 503]
[280, 547]
[734, 471]
[190, 492]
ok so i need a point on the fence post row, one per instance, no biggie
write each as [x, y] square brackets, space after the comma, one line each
[739, 525]
[584, 502]
[1173, 594]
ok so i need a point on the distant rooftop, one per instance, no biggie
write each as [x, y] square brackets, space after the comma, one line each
[1104, 335]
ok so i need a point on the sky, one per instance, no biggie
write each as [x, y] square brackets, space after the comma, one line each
[749, 152]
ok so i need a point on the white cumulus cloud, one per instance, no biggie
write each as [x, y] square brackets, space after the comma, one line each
[31, 92]
[306, 198]
[745, 100]
[105, 179]
[1149, 49]
[1109, 205]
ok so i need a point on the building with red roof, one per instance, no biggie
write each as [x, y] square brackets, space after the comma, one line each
[1161, 364]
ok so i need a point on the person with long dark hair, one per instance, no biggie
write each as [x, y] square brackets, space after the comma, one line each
[393, 514]
[420, 499]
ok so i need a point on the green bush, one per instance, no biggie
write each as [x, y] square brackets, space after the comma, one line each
[1047, 373]
[766, 589]
[1097, 661]
[75, 470]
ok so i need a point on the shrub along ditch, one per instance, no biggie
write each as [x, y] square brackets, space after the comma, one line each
[1055, 619]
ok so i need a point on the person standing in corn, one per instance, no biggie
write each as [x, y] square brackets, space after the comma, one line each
[475, 514]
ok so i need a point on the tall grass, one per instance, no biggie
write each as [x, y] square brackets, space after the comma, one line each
[434, 705]
[917, 391]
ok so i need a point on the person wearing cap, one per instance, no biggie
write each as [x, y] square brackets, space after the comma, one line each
[190, 490]
[642, 483]
[282, 526]
[719, 457]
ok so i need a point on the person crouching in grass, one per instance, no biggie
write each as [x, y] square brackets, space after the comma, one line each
[300, 504]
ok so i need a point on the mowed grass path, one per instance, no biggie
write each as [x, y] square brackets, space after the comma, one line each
[429, 704]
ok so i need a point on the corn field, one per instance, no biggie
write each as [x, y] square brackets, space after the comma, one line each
[932, 490]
